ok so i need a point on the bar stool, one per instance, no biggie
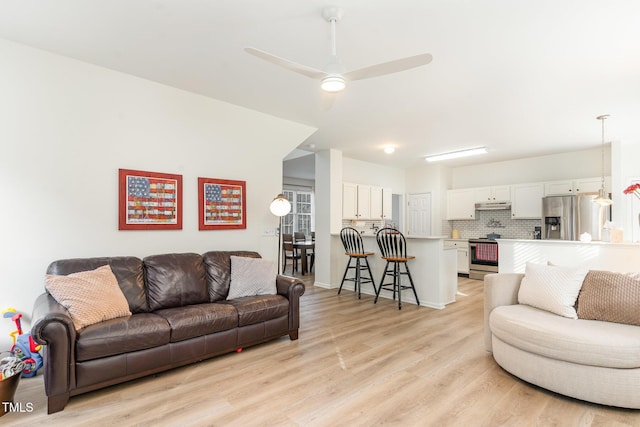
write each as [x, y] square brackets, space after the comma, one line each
[353, 247]
[393, 248]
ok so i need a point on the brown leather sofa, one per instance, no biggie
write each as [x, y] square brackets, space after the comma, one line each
[180, 315]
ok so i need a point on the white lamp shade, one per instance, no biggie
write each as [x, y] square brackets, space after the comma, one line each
[280, 206]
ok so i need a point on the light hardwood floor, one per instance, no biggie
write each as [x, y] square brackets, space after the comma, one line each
[355, 364]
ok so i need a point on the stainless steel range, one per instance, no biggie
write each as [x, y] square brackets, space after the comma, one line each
[483, 257]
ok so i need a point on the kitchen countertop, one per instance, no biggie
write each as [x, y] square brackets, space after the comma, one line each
[568, 242]
[371, 234]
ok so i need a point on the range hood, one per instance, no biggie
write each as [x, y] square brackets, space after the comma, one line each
[493, 206]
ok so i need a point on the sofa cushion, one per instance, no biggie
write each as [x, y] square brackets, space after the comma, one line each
[259, 308]
[252, 276]
[552, 288]
[218, 267]
[127, 269]
[612, 297]
[198, 320]
[89, 296]
[175, 280]
[122, 335]
[587, 342]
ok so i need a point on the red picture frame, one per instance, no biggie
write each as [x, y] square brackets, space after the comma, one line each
[222, 204]
[149, 200]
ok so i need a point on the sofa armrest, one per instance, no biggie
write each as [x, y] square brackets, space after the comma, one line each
[499, 289]
[292, 288]
[52, 327]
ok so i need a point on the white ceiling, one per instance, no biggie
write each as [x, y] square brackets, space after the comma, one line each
[524, 78]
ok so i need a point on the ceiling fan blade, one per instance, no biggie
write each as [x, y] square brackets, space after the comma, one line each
[285, 63]
[389, 67]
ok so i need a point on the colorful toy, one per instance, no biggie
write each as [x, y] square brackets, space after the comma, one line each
[24, 347]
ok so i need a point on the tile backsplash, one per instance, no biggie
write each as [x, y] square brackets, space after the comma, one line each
[499, 222]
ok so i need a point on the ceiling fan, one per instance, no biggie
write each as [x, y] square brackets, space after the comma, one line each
[333, 77]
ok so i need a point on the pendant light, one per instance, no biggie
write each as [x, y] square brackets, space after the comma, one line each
[602, 199]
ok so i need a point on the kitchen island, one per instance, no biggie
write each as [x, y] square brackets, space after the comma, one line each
[513, 254]
[434, 271]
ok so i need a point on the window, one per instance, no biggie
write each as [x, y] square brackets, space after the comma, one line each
[301, 218]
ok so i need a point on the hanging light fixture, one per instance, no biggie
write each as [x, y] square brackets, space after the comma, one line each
[602, 199]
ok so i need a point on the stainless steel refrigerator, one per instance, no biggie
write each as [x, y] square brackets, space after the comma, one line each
[568, 217]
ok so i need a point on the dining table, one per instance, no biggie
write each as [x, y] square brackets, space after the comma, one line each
[303, 247]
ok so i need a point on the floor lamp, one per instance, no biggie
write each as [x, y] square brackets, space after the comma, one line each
[280, 206]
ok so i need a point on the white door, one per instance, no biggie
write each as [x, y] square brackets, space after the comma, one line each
[419, 214]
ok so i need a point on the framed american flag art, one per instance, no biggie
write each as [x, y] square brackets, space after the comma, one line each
[221, 204]
[149, 200]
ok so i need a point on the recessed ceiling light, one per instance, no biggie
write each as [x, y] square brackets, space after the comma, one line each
[389, 149]
[456, 154]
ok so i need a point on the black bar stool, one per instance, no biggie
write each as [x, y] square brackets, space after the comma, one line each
[353, 247]
[393, 248]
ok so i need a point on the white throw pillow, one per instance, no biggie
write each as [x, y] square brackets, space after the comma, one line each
[552, 288]
[252, 276]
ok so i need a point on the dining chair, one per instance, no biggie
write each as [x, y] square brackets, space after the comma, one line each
[354, 249]
[289, 252]
[393, 248]
[300, 237]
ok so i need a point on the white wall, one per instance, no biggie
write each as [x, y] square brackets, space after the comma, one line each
[575, 164]
[359, 172]
[626, 208]
[434, 179]
[67, 126]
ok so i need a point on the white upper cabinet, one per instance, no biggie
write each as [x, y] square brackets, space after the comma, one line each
[500, 193]
[375, 203]
[575, 186]
[592, 185]
[387, 204]
[364, 202]
[461, 204]
[526, 201]
[349, 201]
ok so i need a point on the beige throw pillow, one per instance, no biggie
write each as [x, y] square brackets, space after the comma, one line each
[252, 276]
[552, 288]
[89, 296]
[612, 297]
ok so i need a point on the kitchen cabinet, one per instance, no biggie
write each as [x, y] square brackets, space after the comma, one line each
[500, 193]
[461, 204]
[462, 247]
[349, 201]
[592, 185]
[387, 204]
[375, 203]
[356, 201]
[575, 186]
[364, 202]
[526, 201]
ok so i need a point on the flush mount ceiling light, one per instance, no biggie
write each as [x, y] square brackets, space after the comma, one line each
[457, 154]
[602, 199]
[389, 149]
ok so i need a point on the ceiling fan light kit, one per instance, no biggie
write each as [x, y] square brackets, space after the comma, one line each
[332, 78]
[333, 83]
